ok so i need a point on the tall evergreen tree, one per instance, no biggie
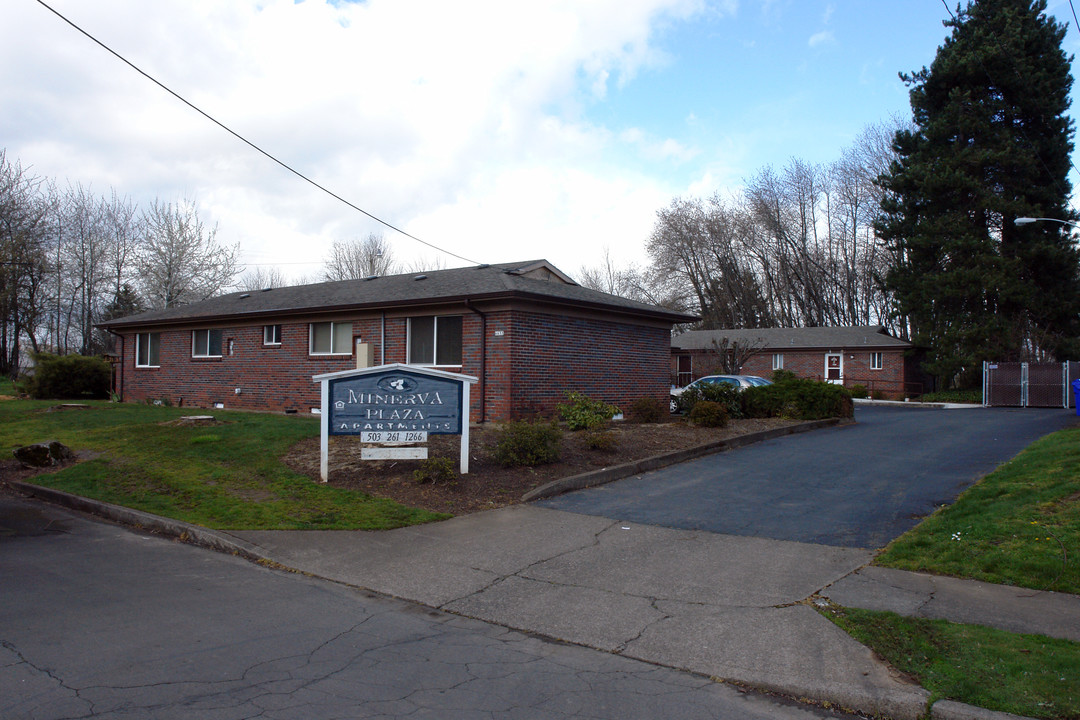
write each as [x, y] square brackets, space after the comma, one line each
[990, 143]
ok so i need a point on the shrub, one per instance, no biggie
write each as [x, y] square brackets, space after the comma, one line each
[603, 440]
[75, 377]
[721, 393]
[524, 443]
[707, 413]
[798, 398]
[859, 391]
[878, 395]
[764, 401]
[783, 376]
[647, 410]
[584, 413]
[435, 470]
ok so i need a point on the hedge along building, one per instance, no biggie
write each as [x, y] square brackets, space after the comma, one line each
[526, 330]
[863, 355]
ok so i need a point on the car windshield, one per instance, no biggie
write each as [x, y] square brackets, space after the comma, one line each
[758, 382]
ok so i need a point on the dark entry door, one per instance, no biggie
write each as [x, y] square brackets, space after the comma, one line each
[685, 371]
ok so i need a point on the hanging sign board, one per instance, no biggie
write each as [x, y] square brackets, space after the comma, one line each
[394, 405]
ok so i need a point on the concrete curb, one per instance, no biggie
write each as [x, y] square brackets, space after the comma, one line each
[917, 405]
[618, 472]
[195, 534]
[950, 710]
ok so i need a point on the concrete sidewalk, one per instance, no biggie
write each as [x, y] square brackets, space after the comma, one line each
[734, 608]
[738, 609]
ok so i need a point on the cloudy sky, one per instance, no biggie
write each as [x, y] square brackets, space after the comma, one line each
[500, 131]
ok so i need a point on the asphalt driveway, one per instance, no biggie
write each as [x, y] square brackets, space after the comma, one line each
[854, 486]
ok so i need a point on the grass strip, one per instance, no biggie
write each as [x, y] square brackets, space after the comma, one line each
[1029, 675]
[226, 476]
[1020, 525]
[973, 397]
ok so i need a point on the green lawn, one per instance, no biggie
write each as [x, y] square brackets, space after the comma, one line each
[1029, 675]
[1020, 525]
[225, 476]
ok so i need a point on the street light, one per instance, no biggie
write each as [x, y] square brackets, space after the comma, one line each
[1029, 220]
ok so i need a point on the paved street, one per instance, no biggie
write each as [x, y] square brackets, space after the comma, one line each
[100, 621]
[856, 486]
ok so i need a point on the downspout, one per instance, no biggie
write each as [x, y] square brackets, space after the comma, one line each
[483, 358]
[120, 375]
[382, 340]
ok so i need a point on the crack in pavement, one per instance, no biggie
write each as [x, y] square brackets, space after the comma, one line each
[518, 573]
[45, 672]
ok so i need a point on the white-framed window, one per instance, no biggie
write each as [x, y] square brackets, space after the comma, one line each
[877, 361]
[271, 334]
[148, 349]
[330, 338]
[206, 343]
[778, 361]
[435, 340]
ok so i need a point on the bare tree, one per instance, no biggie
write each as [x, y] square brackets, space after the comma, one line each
[23, 262]
[260, 278]
[732, 354]
[122, 224]
[421, 264]
[180, 260]
[607, 277]
[700, 244]
[84, 263]
[796, 248]
[356, 259]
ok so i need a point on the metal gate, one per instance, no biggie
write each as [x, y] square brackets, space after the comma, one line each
[1013, 384]
[1074, 374]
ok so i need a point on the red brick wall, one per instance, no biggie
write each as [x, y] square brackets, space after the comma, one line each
[613, 362]
[529, 366]
[270, 377]
[889, 380]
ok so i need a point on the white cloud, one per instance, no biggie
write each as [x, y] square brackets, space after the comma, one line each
[825, 37]
[459, 122]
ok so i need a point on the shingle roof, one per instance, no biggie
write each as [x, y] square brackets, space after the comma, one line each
[790, 338]
[505, 280]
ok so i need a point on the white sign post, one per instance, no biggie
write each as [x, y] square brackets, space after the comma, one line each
[394, 405]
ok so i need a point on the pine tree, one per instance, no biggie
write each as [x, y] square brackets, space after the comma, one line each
[991, 143]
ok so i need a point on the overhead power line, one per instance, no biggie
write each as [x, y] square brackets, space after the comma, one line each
[244, 140]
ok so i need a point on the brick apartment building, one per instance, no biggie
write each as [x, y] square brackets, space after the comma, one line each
[526, 330]
[865, 355]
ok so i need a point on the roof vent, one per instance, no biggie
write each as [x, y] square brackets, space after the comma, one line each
[482, 266]
[370, 277]
[420, 277]
[245, 295]
[267, 289]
